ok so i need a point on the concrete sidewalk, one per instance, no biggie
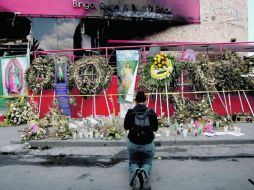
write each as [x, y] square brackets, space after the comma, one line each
[107, 152]
[246, 128]
[12, 135]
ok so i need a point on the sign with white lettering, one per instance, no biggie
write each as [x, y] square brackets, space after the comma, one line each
[85, 5]
[165, 10]
[122, 10]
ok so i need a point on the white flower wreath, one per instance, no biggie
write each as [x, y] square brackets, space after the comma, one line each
[91, 74]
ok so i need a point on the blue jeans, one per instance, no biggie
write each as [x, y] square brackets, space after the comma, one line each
[140, 156]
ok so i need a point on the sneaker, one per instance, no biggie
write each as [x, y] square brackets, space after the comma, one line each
[145, 180]
[135, 181]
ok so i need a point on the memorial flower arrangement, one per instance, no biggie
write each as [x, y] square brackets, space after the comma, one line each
[160, 71]
[41, 74]
[196, 117]
[20, 112]
[54, 125]
[243, 117]
[113, 131]
[227, 72]
[161, 67]
[187, 110]
[91, 74]
[200, 74]
[57, 123]
[163, 121]
[33, 132]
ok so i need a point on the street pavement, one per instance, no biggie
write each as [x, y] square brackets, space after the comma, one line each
[224, 174]
[198, 163]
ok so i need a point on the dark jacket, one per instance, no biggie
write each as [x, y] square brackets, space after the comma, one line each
[129, 123]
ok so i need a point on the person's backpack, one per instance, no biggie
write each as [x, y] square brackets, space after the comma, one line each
[141, 124]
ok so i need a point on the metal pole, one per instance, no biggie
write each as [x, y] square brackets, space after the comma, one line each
[144, 55]
[240, 98]
[160, 104]
[107, 56]
[167, 103]
[248, 103]
[106, 102]
[155, 109]
[82, 103]
[148, 101]
[182, 87]
[223, 104]
[40, 102]
[210, 101]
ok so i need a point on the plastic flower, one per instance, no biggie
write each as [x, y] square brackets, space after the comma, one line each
[34, 128]
[161, 68]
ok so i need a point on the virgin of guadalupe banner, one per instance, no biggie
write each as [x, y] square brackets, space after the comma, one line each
[13, 71]
[61, 86]
[127, 65]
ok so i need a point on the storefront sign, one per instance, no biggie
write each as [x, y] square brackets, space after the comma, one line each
[85, 5]
[187, 11]
[124, 7]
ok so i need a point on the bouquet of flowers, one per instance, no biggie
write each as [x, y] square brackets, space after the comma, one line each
[159, 72]
[91, 74]
[20, 111]
[33, 131]
[58, 124]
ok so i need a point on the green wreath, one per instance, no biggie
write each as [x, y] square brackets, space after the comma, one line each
[227, 72]
[40, 75]
[151, 84]
[200, 75]
[91, 74]
[224, 73]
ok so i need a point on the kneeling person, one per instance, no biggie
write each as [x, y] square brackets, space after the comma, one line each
[141, 123]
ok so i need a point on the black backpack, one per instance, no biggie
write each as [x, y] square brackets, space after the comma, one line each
[141, 126]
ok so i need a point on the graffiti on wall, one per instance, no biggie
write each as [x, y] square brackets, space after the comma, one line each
[221, 12]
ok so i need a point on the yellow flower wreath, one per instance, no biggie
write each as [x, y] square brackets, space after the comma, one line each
[161, 67]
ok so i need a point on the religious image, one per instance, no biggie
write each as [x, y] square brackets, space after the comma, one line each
[60, 73]
[127, 62]
[13, 77]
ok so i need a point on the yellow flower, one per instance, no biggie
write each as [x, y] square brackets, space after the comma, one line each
[161, 67]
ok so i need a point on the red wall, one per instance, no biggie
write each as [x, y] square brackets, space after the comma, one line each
[101, 108]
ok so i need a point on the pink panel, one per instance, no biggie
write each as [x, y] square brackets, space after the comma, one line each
[43, 7]
[189, 10]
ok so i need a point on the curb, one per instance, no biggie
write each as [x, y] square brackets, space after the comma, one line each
[104, 143]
